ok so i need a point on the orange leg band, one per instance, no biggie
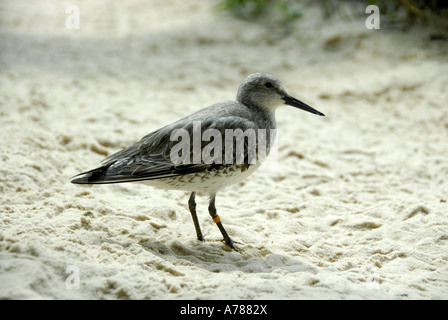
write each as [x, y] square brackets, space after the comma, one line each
[216, 219]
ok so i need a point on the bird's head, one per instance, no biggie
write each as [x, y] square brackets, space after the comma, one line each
[267, 92]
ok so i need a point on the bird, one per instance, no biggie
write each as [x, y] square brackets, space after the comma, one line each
[183, 156]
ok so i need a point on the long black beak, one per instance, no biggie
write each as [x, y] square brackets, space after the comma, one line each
[299, 104]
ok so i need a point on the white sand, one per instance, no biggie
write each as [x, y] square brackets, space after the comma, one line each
[358, 205]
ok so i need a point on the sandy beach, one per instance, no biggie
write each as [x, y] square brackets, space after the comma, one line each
[354, 205]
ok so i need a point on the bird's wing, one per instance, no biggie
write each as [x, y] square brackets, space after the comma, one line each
[150, 158]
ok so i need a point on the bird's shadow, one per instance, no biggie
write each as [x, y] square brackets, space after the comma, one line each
[217, 257]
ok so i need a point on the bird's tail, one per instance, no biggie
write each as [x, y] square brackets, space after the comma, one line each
[95, 176]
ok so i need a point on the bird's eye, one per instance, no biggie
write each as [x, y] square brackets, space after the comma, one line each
[268, 85]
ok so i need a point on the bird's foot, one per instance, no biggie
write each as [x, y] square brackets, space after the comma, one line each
[230, 243]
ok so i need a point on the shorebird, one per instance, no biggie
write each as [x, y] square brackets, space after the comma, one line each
[155, 159]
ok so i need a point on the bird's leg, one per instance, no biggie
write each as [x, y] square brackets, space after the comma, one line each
[192, 207]
[217, 220]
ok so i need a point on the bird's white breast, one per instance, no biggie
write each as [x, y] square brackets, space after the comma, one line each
[205, 182]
